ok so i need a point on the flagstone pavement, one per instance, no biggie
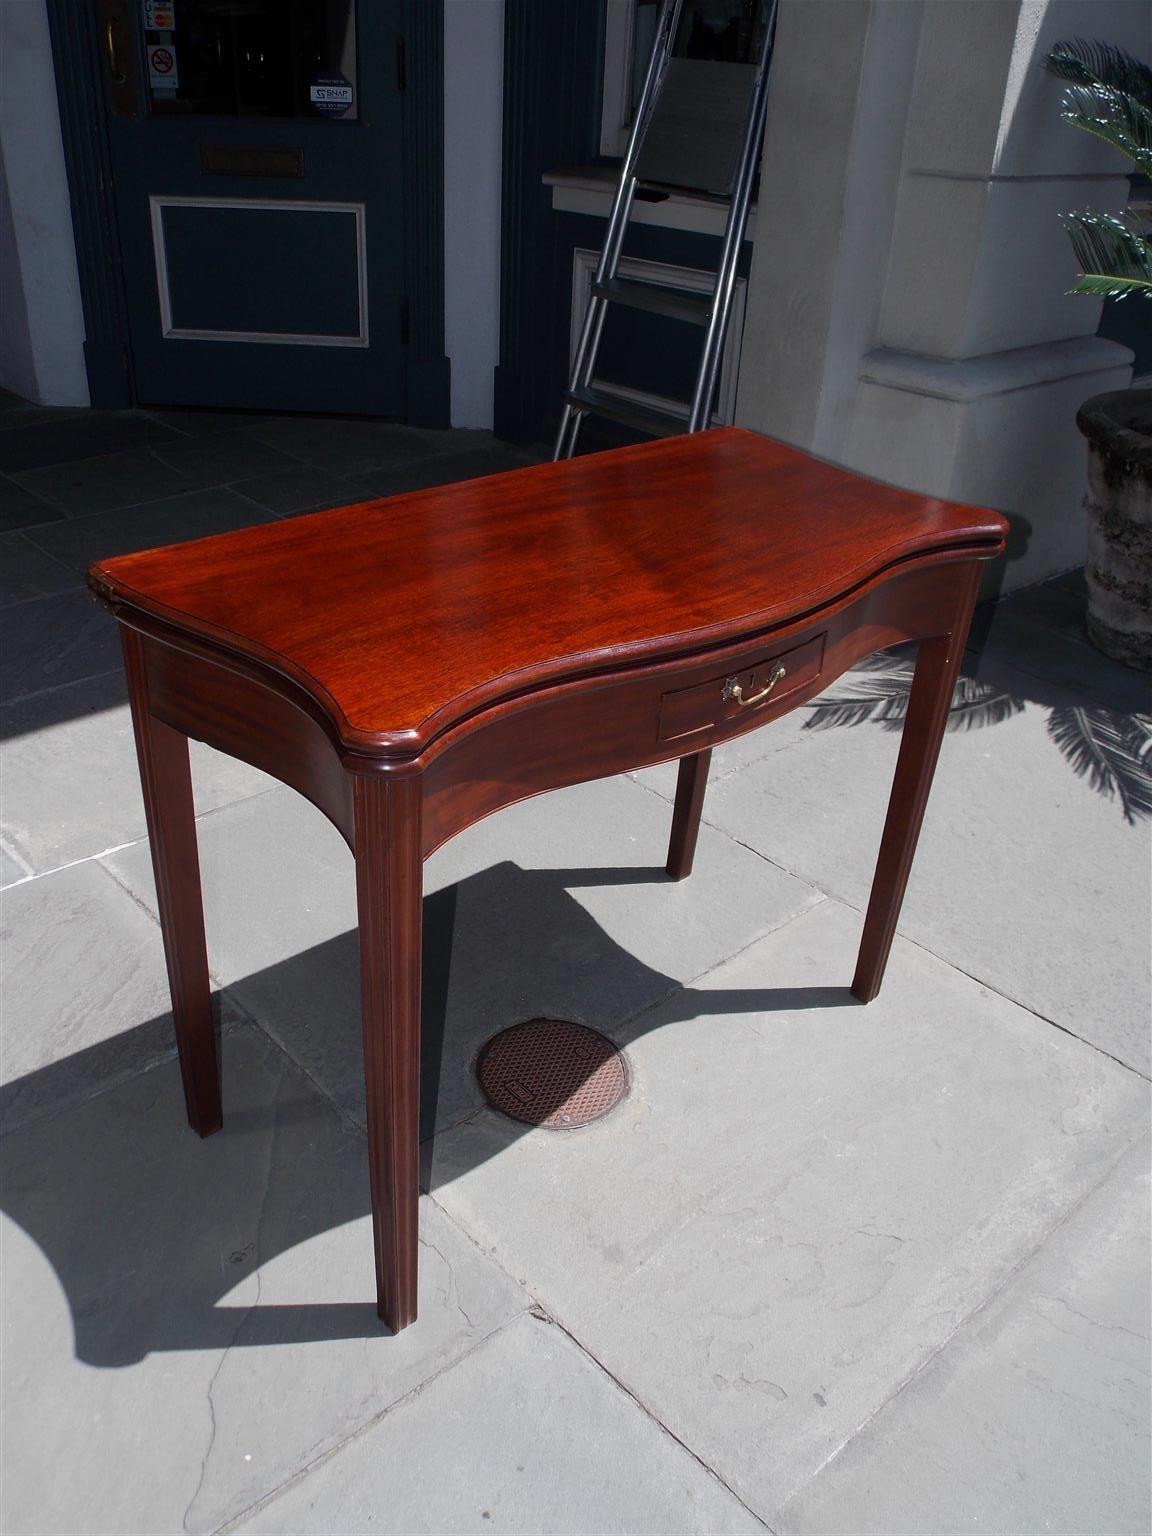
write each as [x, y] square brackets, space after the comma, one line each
[827, 1268]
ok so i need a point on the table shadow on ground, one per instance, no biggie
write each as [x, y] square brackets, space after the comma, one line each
[147, 1227]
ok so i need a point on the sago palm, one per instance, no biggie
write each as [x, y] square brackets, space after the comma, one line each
[1109, 95]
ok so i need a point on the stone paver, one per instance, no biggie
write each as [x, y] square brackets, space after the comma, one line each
[1026, 876]
[78, 541]
[19, 508]
[874, 1269]
[1035, 1417]
[27, 572]
[526, 1434]
[51, 641]
[88, 486]
[803, 1198]
[188, 1323]
[557, 907]
[10, 870]
[71, 784]
[345, 447]
[62, 437]
[85, 991]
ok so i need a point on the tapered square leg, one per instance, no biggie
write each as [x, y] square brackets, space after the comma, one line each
[937, 667]
[690, 786]
[170, 812]
[389, 893]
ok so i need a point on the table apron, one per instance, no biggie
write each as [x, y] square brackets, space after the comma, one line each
[248, 719]
[549, 737]
[575, 732]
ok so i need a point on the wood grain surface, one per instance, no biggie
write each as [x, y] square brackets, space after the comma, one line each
[401, 617]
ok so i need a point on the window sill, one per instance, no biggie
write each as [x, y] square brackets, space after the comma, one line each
[588, 189]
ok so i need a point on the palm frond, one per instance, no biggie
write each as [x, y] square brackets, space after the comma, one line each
[1109, 750]
[1113, 116]
[1109, 250]
[1084, 61]
[1089, 61]
[1111, 287]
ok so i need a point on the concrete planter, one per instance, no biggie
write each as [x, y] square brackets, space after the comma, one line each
[1118, 427]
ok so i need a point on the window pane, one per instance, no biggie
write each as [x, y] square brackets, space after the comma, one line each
[252, 58]
[727, 30]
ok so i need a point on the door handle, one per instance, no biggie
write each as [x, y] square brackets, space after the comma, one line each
[118, 76]
[115, 37]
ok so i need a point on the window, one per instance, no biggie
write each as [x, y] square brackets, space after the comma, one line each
[727, 30]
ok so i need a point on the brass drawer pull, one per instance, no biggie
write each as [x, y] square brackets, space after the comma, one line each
[733, 690]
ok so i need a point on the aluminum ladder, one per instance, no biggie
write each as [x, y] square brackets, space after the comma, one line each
[682, 136]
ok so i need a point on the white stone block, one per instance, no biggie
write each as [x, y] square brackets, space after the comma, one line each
[984, 104]
[983, 266]
[998, 432]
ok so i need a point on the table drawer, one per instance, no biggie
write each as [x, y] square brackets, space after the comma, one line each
[740, 694]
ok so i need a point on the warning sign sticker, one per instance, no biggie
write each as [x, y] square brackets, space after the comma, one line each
[159, 17]
[162, 66]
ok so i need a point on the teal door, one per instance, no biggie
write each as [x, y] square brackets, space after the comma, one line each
[256, 152]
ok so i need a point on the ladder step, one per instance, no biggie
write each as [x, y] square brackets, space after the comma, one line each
[631, 413]
[693, 307]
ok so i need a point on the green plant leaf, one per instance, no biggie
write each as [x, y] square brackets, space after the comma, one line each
[1113, 256]
[1114, 117]
[1083, 61]
[1098, 287]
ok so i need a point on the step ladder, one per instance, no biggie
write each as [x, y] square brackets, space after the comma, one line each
[698, 125]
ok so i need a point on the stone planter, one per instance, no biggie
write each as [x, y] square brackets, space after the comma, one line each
[1118, 427]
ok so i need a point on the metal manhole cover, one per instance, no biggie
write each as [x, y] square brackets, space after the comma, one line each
[552, 1073]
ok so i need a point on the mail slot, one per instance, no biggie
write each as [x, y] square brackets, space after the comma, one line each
[250, 160]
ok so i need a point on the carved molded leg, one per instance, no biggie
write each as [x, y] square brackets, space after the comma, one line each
[937, 667]
[690, 787]
[389, 888]
[166, 779]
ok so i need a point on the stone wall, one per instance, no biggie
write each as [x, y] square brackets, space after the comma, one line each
[908, 307]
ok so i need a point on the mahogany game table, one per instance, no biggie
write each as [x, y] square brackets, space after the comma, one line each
[412, 665]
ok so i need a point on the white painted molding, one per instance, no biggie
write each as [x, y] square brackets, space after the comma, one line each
[591, 194]
[171, 332]
[998, 373]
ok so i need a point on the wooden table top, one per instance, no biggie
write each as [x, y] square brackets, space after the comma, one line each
[399, 616]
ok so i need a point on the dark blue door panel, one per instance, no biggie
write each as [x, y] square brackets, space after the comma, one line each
[263, 252]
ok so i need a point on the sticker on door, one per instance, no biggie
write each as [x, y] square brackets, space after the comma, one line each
[162, 69]
[331, 93]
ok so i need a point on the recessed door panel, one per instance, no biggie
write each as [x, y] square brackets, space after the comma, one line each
[232, 271]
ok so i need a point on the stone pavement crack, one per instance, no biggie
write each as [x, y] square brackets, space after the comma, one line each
[969, 1317]
[452, 1287]
[360, 1431]
[541, 1315]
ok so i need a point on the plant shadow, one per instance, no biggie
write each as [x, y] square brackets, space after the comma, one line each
[1106, 741]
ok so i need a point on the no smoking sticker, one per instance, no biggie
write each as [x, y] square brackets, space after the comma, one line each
[162, 66]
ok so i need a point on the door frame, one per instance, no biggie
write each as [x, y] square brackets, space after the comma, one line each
[74, 29]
